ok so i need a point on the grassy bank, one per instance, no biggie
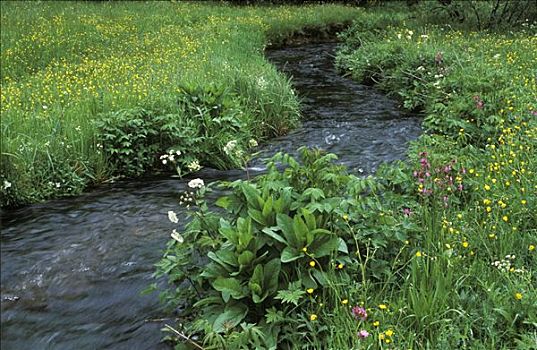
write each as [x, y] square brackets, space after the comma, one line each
[435, 253]
[91, 90]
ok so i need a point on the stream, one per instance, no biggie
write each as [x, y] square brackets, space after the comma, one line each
[72, 269]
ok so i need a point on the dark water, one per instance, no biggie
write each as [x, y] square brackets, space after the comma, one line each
[72, 269]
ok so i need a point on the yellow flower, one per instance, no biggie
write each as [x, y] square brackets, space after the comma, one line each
[505, 218]
[340, 266]
[382, 336]
[518, 296]
[388, 341]
[383, 306]
[345, 301]
[418, 254]
[523, 202]
[305, 249]
[531, 248]
[313, 317]
[487, 187]
[376, 324]
[465, 244]
[459, 216]
[489, 209]
[312, 263]
[389, 332]
[345, 217]
[310, 290]
[486, 201]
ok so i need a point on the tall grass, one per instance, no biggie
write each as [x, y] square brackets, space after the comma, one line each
[64, 65]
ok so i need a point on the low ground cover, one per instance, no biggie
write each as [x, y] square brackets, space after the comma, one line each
[438, 252]
[95, 89]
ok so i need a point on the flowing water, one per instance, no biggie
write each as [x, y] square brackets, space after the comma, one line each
[72, 269]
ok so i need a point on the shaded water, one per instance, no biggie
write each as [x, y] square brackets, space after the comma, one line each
[72, 269]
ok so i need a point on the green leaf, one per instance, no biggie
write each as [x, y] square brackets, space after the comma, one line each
[272, 275]
[246, 257]
[285, 223]
[257, 216]
[230, 287]
[252, 196]
[230, 318]
[290, 254]
[290, 296]
[270, 232]
[324, 245]
[301, 230]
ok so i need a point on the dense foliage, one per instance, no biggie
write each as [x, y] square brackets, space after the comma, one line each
[440, 251]
[95, 90]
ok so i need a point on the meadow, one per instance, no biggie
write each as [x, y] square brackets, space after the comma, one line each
[438, 252]
[94, 91]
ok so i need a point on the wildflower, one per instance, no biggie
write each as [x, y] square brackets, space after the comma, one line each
[418, 254]
[193, 165]
[363, 334]
[389, 332]
[487, 187]
[230, 146]
[313, 317]
[177, 236]
[345, 301]
[523, 202]
[505, 218]
[305, 249]
[173, 217]
[252, 143]
[310, 290]
[465, 244]
[312, 263]
[382, 336]
[359, 312]
[376, 324]
[383, 306]
[345, 217]
[518, 296]
[340, 266]
[7, 184]
[196, 183]
[407, 212]
[531, 248]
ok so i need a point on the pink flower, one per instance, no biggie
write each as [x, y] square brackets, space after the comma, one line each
[359, 312]
[407, 211]
[363, 334]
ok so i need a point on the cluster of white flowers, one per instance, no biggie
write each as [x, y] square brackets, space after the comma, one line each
[194, 165]
[261, 82]
[186, 198]
[177, 236]
[252, 143]
[506, 264]
[170, 156]
[7, 185]
[196, 183]
[173, 217]
[230, 146]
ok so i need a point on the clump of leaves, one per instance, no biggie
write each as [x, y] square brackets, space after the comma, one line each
[281, 235]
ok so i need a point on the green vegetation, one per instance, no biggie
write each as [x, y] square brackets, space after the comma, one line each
[100, 89]
[435, 253]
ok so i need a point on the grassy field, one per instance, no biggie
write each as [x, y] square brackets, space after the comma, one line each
[438, 252]
[91, 90]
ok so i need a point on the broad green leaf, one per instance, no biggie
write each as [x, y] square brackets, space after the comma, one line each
[272, 275]
[229, 287]
[257, 216]
[300, 229]
[246, 257]
[230, 318]
[290, 254]
[252, 196]
[270, 232]
[285, 223]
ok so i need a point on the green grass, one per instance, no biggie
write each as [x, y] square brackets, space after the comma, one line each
[65, 67]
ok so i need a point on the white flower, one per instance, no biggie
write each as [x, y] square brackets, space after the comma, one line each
[164, 161]
[58, 185]
[420, 68]
[424, 36]
[230, 146]
[196, 183]
[173, 217]
[7, 184]
[399, 35]
[496, 56]
[252, 143]
[178, 152]
[194, 165]
[177, 236]
[437, 76]
[410, 32]
[171, 158]
[45, 107]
